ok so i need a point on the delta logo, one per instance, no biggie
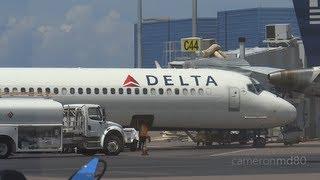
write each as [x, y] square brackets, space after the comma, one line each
[130, 82]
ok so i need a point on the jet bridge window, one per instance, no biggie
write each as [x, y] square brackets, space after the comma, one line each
[88, 90]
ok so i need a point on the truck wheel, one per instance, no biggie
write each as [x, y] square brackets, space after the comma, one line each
[134, 146]
[5, 149]
[113, 145]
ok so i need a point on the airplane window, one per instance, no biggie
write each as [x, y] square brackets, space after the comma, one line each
[120, 90]
[72, 90]
[14, 90]
[39, 90]
[128, 90]
[153, 91]
[160, 91]
[47, 90]
[251, 88]
[64, 91]
[113, 90]
[185, 91]
[169, 91]
[55, 90]
[259, 88]
[80, 91]
[104, 90]
[137, 91]
[200, 91]
[6, 90]
[88, 90]
[145, 91]
[193, 92]
[176, 91]
[31, 90]
[96, 90]
[23, 90]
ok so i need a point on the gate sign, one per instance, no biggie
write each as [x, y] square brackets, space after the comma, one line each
[191, 44]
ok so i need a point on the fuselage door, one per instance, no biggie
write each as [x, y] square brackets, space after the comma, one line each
[234, 99]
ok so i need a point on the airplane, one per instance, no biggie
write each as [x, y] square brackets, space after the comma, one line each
[162, 99]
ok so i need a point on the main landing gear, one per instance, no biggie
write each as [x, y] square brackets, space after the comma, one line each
[258, 140]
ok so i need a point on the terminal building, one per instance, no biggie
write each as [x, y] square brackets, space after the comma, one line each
[161, 37]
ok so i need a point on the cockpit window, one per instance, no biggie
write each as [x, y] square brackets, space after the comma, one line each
[255, 87]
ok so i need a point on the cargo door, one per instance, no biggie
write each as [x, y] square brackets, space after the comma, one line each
[234, 99]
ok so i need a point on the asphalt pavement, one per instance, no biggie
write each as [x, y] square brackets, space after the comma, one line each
[183, 161]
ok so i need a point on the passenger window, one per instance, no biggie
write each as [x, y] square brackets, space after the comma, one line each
[128, 90]
[160, 91]
[176, 91]
[185, 91]
[113, 90]
[104, 90]
[137, 91]
[72, 91]
[31, 90]
[23, 90]
[64, 91]
[153, 91]
[14, 90]
[47, 90]
[120, 90]
[6, 90]
[193, 92]
[145, 91]
[169, 91]
[200, 91]
[55, 90]
[96, 90]
[88, 90]
[80, 91]
[39, 90]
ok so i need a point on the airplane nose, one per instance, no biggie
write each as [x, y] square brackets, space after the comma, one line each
[286, 112]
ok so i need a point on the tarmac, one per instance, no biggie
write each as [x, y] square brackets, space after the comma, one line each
[183, 160]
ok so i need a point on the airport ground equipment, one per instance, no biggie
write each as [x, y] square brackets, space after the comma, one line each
[44, 125]
[132, 138]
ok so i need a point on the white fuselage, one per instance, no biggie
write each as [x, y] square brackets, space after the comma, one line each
[191, 98]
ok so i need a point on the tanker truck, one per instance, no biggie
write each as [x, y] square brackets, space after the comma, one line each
[45, 125]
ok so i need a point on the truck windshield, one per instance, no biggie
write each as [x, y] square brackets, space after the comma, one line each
[95, 114]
